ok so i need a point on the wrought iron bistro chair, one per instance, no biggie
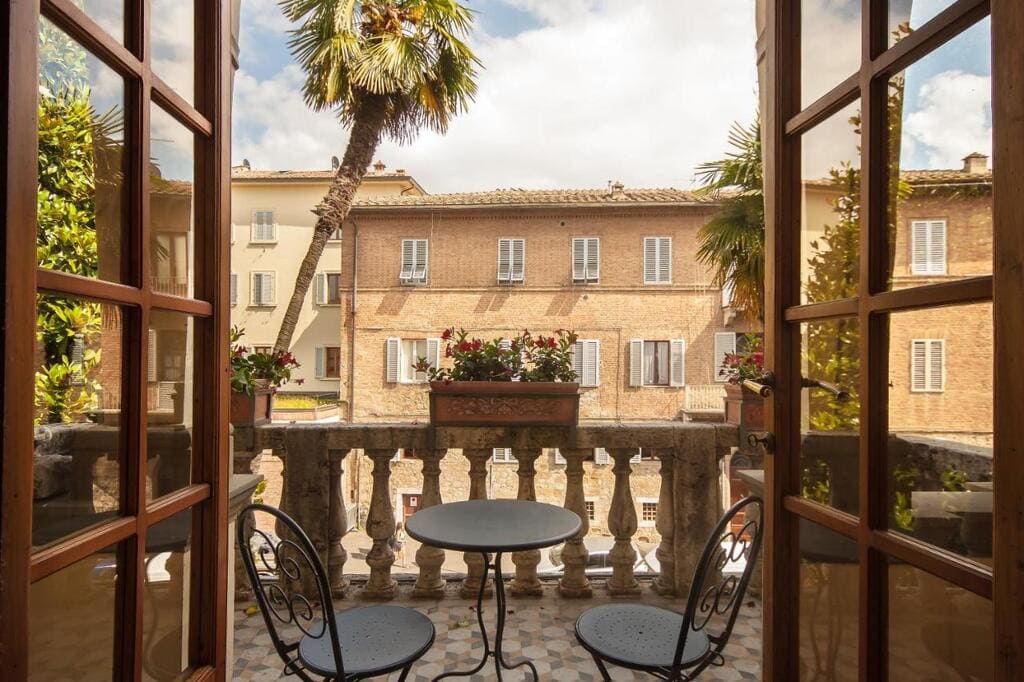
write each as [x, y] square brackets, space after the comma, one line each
[679, 646]
[350, 645]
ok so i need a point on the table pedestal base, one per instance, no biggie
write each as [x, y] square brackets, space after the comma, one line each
[499, 630]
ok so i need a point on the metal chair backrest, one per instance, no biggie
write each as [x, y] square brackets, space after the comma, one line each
[714, 593]
[281, 572]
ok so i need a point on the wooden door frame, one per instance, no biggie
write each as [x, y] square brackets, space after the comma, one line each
[783, 121]
[206, 495]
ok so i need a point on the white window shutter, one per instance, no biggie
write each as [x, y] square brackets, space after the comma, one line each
[937, 247]
[234, 288]
[257, 289]
[319, 370]
[577, 360]
[590, 374]
[269, 292]
[579, 259]
[504, 259]
[504, 344]
[650, 260]
[664, 259]
[728, 291]
[593, 259]
[918, 365]
[420, 270]
[601, 456]
[559, 459]
[502, 455]
[725, 344]
[151, 360]
[434, 352]
[408, 258]
[677, 370]
[919, 246]
[393, 349]
[321, 288]
[518, 273]
[637, 458]
[936, 365]
[636, 362]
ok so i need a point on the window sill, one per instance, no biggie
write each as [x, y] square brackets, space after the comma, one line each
[328, 305]
[262, 243]
[262, 305]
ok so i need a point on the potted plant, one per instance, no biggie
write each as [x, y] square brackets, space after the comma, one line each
[255, 377]
[744, 407]
[524, 381]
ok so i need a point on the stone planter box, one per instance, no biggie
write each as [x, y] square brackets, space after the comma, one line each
[252, 409]
[504, 403]
[745, 409]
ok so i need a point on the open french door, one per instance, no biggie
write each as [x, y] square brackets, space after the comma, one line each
[115, 200]
[894, 166]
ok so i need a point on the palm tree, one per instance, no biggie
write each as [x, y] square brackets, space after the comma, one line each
[387, 67]
[732, 242]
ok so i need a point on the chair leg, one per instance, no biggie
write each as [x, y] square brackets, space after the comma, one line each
[603, 670]
[405, 673]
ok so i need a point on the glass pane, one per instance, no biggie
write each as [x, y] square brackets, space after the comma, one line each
[906, 16]
[830, 413]
[171, 397]
[77, 462]
[171, 205]
[829, 45]
[830, 208]
[940, 427]
[109, 14]
[828, 604]
[81, 159]
[71, 619]
[940, 111]
[166, 596]
[173, 47]
[937, 632]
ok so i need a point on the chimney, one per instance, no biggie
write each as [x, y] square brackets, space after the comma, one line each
[335, 164]
[400, 171]
[617, 190]
[976, 164]
[379, 167]
[245, 164]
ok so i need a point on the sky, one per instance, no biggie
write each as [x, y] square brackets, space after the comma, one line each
[575, 93]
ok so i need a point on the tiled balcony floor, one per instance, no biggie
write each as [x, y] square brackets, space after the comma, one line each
[540, 629]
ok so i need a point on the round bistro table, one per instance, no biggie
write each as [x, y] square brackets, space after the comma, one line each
[493, 527]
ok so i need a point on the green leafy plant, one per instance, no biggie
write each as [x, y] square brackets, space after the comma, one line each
[251, 370]
[904, 480]
[525, 358]
[953, 480]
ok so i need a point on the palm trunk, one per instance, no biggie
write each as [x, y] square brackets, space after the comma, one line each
[332, 211]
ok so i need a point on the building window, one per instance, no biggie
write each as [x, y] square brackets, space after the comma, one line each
[657, 260]
[335, 235]
[328, 362]
[511, 260]
[234, 288]
[263, 227]
[648, 513]
[402, 355]
[591, 507]
[263, 288]
[725, 344]
[266, 350]
[586, 259]
[414, 261]
[928, 247]
[927, 365]
[328, 288]
[586, 361]
[503, 455]
[657, 363]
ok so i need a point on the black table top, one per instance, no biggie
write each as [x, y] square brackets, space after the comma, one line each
[493, 525]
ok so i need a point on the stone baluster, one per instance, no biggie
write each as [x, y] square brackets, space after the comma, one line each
[380, 526]
[477, 491]
[430, 559]
[337, 519]
[622, 523]
[306, 490]
[279, 452]
[526, 582]
[697, 499]
[574, 581]
[665, 524]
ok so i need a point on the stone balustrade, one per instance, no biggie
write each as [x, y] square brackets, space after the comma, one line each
[689, 504]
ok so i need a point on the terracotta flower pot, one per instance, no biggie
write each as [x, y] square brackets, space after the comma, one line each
[745, 409]
[252, 410]
[504, 403]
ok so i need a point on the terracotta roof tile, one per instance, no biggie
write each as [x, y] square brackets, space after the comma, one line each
[543, 197]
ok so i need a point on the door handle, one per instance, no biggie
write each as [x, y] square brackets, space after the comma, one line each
[765, 439]
[763, 385]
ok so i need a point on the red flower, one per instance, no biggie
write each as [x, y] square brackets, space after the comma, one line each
[465, 346]
[477, 343]
[447, 333]
[552, 343]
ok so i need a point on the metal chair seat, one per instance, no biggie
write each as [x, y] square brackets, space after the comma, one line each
[375, 640]
[639, 636]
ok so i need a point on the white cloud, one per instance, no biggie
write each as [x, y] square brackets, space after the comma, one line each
[953, 118]
[641, 92]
